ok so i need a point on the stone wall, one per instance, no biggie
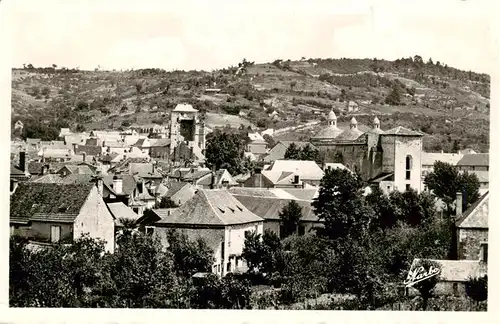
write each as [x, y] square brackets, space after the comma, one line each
[469, 242]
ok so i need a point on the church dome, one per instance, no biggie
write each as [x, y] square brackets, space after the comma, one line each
[331, 115]
[329, 132]
[349, 134]
[354, 121]
[376, 121]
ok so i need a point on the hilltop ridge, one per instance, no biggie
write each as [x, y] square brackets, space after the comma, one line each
[450, 105]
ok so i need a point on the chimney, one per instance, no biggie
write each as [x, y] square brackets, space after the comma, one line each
[117, 184]
[212, 180]
[22, 161]
[459, 205]
[99, 183]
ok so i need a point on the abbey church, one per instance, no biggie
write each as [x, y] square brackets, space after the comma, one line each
[391, 158]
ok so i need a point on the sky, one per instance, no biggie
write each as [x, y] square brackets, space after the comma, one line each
[215, 34]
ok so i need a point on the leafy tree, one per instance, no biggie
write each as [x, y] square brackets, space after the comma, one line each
[224, 150]
[271, 257]
[189, 256]
[445, 181]
[411, 207]
[252, 251]
[290, 217]
[340, 204]
[383, 209]
[477, 288]
[307, 153]
[143, 274]
[292, 152]
[394, 97]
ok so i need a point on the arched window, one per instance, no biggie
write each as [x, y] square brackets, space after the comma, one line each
[409, 166]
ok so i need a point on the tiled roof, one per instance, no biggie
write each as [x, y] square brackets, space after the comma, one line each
[329, 132]
[119, 210]
[48, 201]
[349, 134]
[78, 178]
[307, 170]
[430, 158]
[458, 270]
[402, 131]
[160, 142]
[215, 207]
[144, 170]
[303, 194]
[479, 159]
[89, 150]
[269, 208]
[49, 178]
[108, 157]
[78, 169]
[128, 183]
[193, 176]
[476, 216]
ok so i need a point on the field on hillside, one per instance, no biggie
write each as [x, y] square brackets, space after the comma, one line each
[268, 95]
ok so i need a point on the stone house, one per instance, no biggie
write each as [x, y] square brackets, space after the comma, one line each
[472, 229]
[218, 218]
[308, 171]
[51, 212]
[453, 276]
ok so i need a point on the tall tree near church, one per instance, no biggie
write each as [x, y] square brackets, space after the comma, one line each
[290, 216]
[292, 152]
[224, 150]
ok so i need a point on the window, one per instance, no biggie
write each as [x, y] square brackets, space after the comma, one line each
[149, 230]
[228, 267]
[218, 268]
[136, 210]
[302, 230]
[484, 252]
[236, 262]
[408, 186]
[409, 166]
[388, 188]
[55, 234]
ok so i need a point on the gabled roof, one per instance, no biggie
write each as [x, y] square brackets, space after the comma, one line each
[303, 194]
[216, 207]
[78, 169]
[458, 270]
[49, 178]
[128, 183]
[195, 175]
[476, 216]
[479, 159]
[144, 170]
[307, 170]
[279, 177]
[47, 201]
[450, 158]
[120, 211]
[402, 131]
[174, 187]
[270, 207]
[184, 108]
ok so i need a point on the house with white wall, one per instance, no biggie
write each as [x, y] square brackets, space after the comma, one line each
[218, 218]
